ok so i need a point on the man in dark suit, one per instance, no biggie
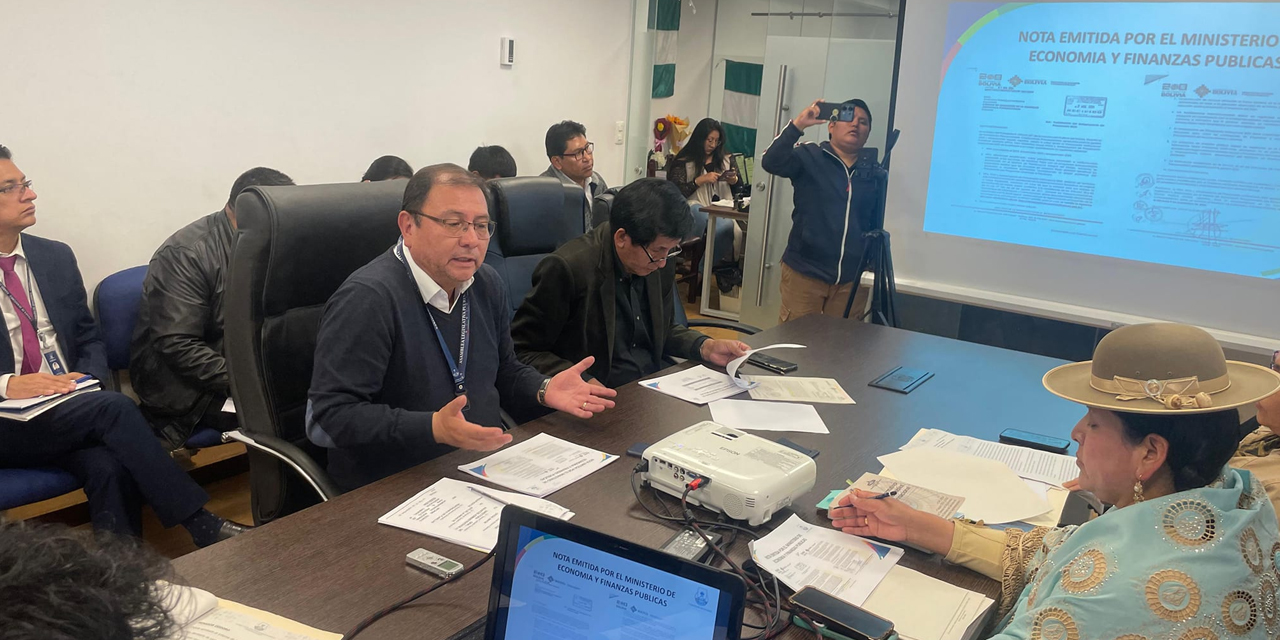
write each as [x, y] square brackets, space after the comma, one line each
[101, 437]
[610, 294]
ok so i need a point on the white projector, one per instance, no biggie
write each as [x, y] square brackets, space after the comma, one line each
[750, 478]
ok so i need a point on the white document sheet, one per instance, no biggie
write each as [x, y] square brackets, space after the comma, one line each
[1057, 499]
[732, 368]
[949, 614]
[463, 513]
[200, 615]
[698, 385]
[749, 415]
[788, 389]
[940, 504]
[539, 466]
[1051, 468]
[991, 491]
[845, 566]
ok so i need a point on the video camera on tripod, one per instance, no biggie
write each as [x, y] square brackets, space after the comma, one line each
[875, 241]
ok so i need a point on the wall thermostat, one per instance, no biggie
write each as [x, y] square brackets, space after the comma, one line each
[507, 55]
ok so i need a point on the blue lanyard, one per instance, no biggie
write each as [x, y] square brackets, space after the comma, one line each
[458, 368]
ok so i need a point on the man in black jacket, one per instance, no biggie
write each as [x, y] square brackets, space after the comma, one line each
[610, 294]
[100, 436]
[176, 362]
[825, 244]
[414, 352]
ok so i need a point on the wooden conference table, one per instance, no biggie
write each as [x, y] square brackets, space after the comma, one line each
[332, 565]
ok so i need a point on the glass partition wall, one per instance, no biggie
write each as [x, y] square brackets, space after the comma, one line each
[753, 65]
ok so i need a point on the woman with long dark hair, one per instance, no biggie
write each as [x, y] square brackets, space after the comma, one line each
[701, 168]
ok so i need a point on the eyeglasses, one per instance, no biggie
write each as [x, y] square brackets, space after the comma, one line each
[675, 251]
[21, 188]
[582, 153]
[456, 228]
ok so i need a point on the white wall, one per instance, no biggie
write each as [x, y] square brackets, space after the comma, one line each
[693, 65]
[134, 117]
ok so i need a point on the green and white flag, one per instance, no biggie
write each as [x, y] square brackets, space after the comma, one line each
[741, 106]
[664, 17]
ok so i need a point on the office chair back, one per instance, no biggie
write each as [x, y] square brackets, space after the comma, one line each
[116, 300]
[535, 215]
[296, 246]
[602, 205]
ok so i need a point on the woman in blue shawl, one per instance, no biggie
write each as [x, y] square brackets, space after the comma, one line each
[1190, 550]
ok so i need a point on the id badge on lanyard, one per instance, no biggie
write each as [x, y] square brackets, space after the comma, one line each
[457, 368]
[49, 349]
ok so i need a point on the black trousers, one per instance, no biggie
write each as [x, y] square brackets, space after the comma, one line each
[103, 440]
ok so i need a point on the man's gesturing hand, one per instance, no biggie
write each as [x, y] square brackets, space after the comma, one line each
[568, 393]
[450, 427]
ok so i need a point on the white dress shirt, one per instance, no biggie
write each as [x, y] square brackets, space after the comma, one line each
[44, 327]
[432, 293]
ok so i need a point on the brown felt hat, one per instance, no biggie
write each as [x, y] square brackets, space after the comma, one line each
[1161, 368]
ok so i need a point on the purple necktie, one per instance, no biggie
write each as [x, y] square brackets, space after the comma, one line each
[18, 295]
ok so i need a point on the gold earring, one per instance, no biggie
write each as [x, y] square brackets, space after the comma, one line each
[1137, 491]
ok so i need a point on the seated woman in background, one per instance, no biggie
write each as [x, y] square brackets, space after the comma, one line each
[704, 176]
[1191, 547]
[701, 169]
[387, 168]
[1259, 452]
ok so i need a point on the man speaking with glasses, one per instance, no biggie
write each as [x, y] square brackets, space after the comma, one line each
[414, 353]
[573, 162]
[610, 295]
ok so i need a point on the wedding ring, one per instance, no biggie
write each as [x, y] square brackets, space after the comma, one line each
[866, 521]
[584, 406]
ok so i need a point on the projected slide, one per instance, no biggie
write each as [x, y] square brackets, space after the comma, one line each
[566, 591]
[1143, 131]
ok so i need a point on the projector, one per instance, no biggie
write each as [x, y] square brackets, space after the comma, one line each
[750, 478]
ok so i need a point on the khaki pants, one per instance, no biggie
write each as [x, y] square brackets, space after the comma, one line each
[802, 295]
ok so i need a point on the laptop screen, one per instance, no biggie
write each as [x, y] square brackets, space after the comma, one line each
[553, 587]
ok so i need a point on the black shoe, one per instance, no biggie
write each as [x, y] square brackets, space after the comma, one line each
[231, 529]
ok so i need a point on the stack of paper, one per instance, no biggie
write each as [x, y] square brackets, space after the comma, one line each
[789, 389]
[991, 491]
[802, 555]
[749, 415]
[539, 466]
[28, 408]
[698, 385]
[924, 608]
[463, 513]
[701, 385]
[200, 615]
[1041, 466]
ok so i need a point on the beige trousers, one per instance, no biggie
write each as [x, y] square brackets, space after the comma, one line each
[802, 296]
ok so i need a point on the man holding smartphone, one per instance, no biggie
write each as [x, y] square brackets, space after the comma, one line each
[825, 245]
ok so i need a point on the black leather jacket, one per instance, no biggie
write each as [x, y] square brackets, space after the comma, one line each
[176, 359]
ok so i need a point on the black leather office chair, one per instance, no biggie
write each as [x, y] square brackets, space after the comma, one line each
[602, 205]
[296, 246]
[535, 215]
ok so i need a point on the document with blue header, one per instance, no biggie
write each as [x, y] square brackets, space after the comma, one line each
[539, 466]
